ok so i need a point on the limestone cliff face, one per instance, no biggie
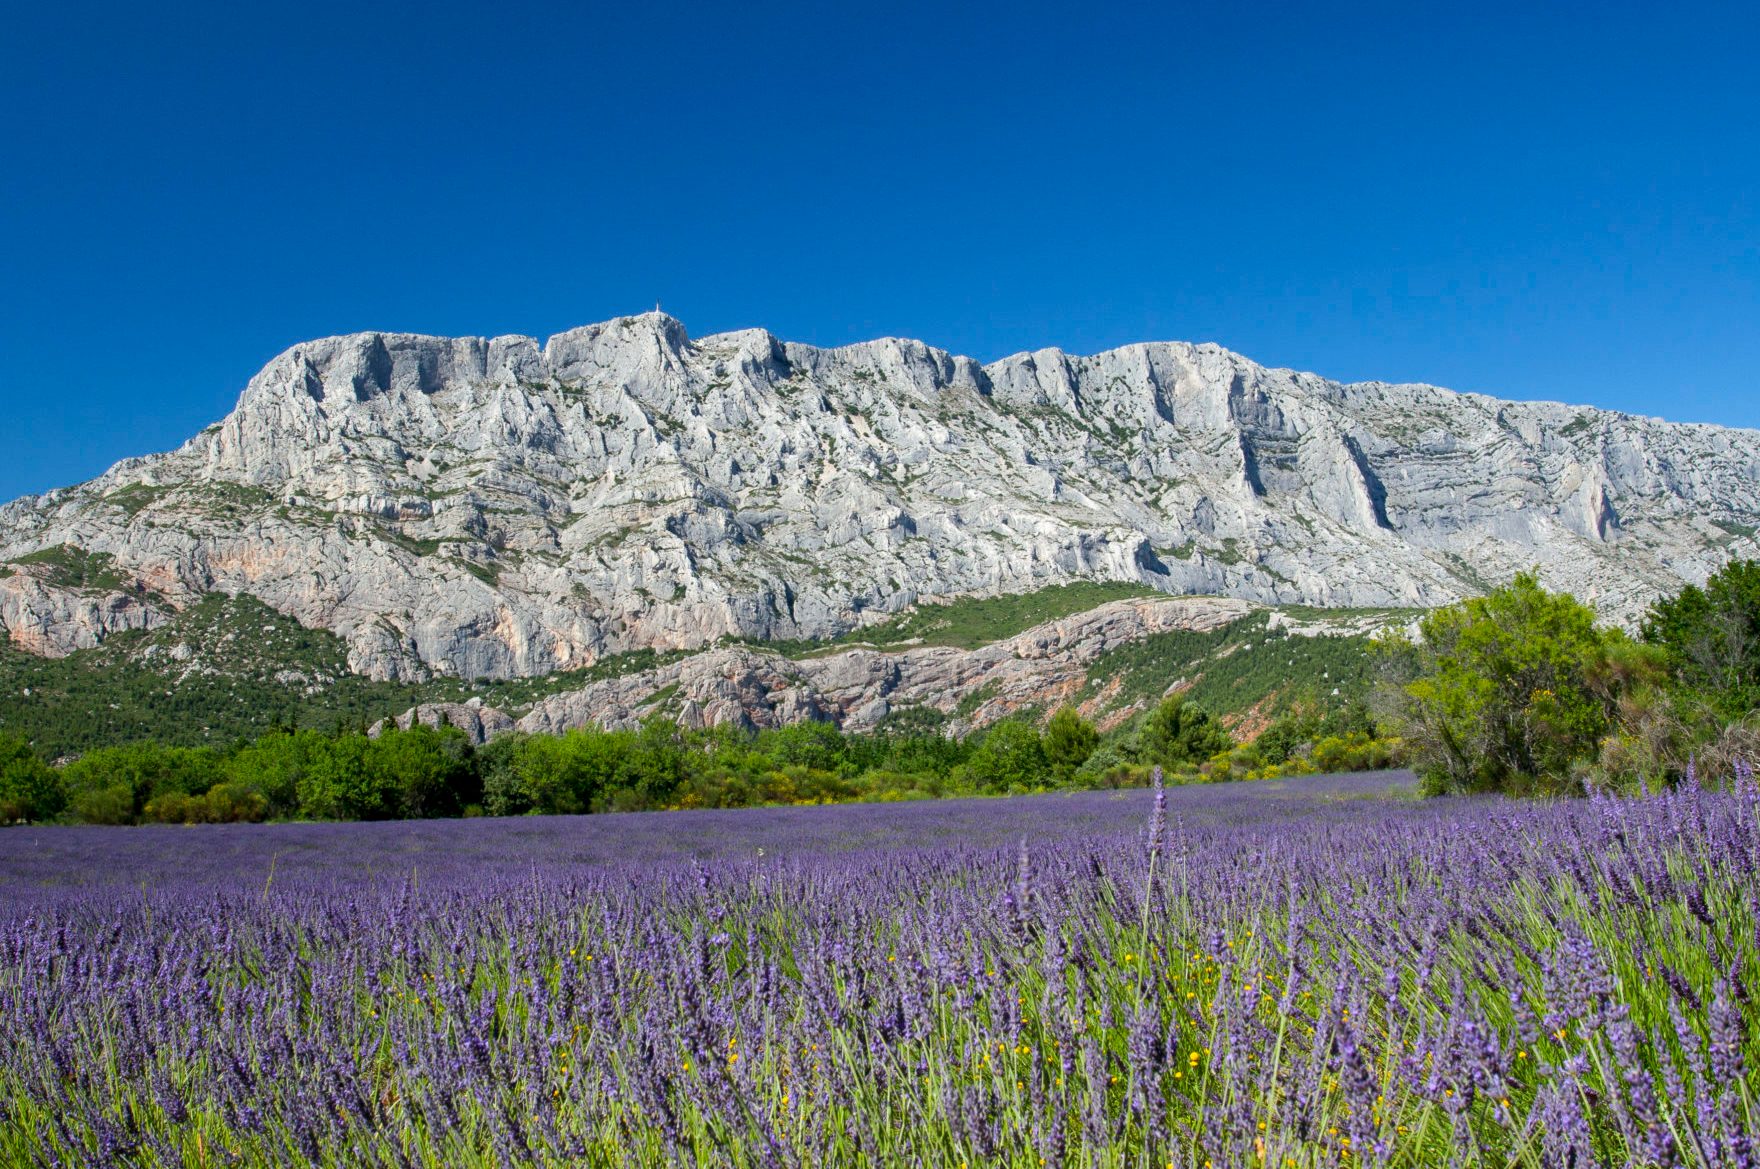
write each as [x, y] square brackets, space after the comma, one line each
[501, 507]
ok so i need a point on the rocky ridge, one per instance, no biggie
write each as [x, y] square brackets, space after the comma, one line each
[857, 688]
[504, 508]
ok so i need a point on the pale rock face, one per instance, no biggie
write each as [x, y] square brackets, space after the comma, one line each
[1045, 667]
[497, 507]
[479, 723]
[43, 619]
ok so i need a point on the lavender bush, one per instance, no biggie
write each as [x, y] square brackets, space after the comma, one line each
[1295, 973]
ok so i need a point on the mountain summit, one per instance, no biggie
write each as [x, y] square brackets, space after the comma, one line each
[500, 507]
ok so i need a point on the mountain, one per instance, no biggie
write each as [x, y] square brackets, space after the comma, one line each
[227, 668]
[497, 508]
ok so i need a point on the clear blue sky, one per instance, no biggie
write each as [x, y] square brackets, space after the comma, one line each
[1538, 201]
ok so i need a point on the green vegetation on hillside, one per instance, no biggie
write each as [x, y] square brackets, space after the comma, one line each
[1235, 668]
[233, 712]
[70, 567]
[229, 668]
[970, 622]
[425, 772]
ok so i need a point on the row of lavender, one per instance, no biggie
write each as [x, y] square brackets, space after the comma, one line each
[1261, 976]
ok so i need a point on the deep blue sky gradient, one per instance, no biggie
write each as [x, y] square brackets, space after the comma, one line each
[1554, 201]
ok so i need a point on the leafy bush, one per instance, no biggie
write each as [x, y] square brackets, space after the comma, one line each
[273, 767]
[1177, 734]
[114, 785]
[105, 805]
[1010, 757]
[1514, 691]
[1069, 740]
[425, 771]
[222, 804]
[817, 745]
[338, 783]
[411, 774]
[29, 788]
[573, 772]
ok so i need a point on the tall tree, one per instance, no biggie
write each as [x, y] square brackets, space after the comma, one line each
[1712, 637]
[1177, 733]
[1069, 740]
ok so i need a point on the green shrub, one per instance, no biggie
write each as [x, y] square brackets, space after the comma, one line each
[228, 803]
[30, 789]
[105, 805]
[273, 766]
[113, 785]
[810, 744]
[1069, 740]
[423, 772]
[1010, 757]
[339, 783]
[1177, 735]
[1711, 637]
[504, 794]
[566, 774]
[1514, 691]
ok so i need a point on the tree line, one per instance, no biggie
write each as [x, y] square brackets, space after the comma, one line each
[426, 771]
[1519, 691]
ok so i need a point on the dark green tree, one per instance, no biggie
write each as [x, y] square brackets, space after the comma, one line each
[341, 783]
[572, 773]
[654, 767]
[504, 791]
[1010, 757]
[1513, 691]
[1069, 740]
[29, 788]
[423, 772]
[1712, 637]
[273, 767]
[114, 785]
[818, 745]
[1178, 734]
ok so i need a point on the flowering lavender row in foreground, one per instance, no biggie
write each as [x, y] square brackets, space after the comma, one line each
[1288, 975]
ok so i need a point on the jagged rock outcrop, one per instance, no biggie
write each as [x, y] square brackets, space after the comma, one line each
[480, 723]
[47, 619]
[497, 507]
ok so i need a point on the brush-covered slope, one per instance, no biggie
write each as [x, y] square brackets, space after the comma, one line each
[505, 508]
[227, 668]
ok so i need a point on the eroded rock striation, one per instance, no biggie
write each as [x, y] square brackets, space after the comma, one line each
[856, 688]
[500, 507]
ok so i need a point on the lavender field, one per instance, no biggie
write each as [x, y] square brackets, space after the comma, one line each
[1304, 972]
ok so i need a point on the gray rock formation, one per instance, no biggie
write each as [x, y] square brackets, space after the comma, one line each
[504, 508]
[479, 723]
[1044, 667]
